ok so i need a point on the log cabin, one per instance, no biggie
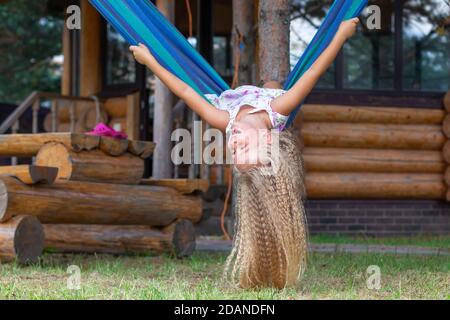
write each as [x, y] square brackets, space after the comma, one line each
[373, 129]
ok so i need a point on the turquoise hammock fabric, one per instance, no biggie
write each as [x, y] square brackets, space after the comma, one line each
[139, 21]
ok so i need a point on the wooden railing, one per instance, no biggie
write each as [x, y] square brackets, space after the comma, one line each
[34, 101]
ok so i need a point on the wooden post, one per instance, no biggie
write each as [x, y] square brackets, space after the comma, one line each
[66, 83]
[133, 115]
[90, 69]
[244, 23]
[273, 43]
[164, 100]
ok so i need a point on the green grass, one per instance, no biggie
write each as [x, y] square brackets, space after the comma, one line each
[329, 276]
[422, 241]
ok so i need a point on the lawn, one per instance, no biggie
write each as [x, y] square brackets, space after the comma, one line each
[329, 276]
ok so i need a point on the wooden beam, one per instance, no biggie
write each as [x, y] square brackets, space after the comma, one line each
[365, 114]
[372, 136]
[90, 51]
[143, 149]
[133, 116]
[96, 203]
[21, 239]
[330, 185]
[31, 174]
[178, 239]
[373, 160]
[184, 186]
[91, 166]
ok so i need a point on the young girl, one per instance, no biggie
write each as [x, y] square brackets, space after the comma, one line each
[269, 247]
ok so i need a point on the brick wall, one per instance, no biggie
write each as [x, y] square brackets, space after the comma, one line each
[378, 217]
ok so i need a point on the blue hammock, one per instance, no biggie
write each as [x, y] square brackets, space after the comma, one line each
[139, 21]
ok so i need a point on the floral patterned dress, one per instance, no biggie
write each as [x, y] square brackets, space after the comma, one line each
[256, 97]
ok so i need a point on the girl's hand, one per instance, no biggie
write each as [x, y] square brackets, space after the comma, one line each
[348, 27]
[142, 54]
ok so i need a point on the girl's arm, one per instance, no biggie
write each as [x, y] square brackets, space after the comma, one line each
[215, 117]
[286, 103]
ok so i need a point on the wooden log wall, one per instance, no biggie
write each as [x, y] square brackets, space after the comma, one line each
[446, 148]
[373, 153]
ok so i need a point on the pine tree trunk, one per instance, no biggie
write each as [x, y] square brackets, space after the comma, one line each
[244, 23]
[273, 43]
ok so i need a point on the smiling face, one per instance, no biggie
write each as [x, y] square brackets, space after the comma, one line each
[249, 143]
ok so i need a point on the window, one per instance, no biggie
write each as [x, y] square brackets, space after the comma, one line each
[411, 51]
[426, 45]
[120, 64]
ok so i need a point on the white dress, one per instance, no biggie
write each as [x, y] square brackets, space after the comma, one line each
[256, 97]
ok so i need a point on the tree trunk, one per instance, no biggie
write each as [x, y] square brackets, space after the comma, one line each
[21, 238]
[244, 22]
[273, 40]
[373, 160]
[95, 203]
[93, 166]
[378, 136]
[164, 101]
[183, 186]
[178, 238]
[375, 186]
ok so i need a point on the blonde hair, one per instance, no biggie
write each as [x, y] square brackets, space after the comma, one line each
[270, 242]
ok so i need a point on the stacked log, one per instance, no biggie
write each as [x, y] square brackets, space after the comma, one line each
[446, 148]
[21, 239]
[89, 194]
[373, 152]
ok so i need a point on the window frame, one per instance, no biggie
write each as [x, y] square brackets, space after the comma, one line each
[397, 92]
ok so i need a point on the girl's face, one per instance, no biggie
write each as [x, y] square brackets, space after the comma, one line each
[249, 145]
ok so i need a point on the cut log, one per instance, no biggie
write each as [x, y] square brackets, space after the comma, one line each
[373, 160]
[113, 147]
[96, 203]
[116, 107]
[31, 174]
[184, 186]
[362, 114]
[21, 239]
[88, 119]
[353, 135]
[446, 125]
[447, 176]
[178, 238]
[447, 101]
[93, 166]
[375, 186]
[446, 152]
[143, 149]
[28, 145]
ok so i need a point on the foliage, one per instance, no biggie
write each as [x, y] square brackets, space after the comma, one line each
[30, 38]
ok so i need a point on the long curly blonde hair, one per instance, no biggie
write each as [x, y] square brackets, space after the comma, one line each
[270, 241]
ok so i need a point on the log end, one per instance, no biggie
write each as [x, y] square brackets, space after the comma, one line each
[4, 215]
[43, 174]
[184, 239]
[113, 147]
[28, 239]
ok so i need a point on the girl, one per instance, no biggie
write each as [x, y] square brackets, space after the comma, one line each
[269, 247]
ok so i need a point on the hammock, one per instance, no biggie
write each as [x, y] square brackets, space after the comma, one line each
[139, 21]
